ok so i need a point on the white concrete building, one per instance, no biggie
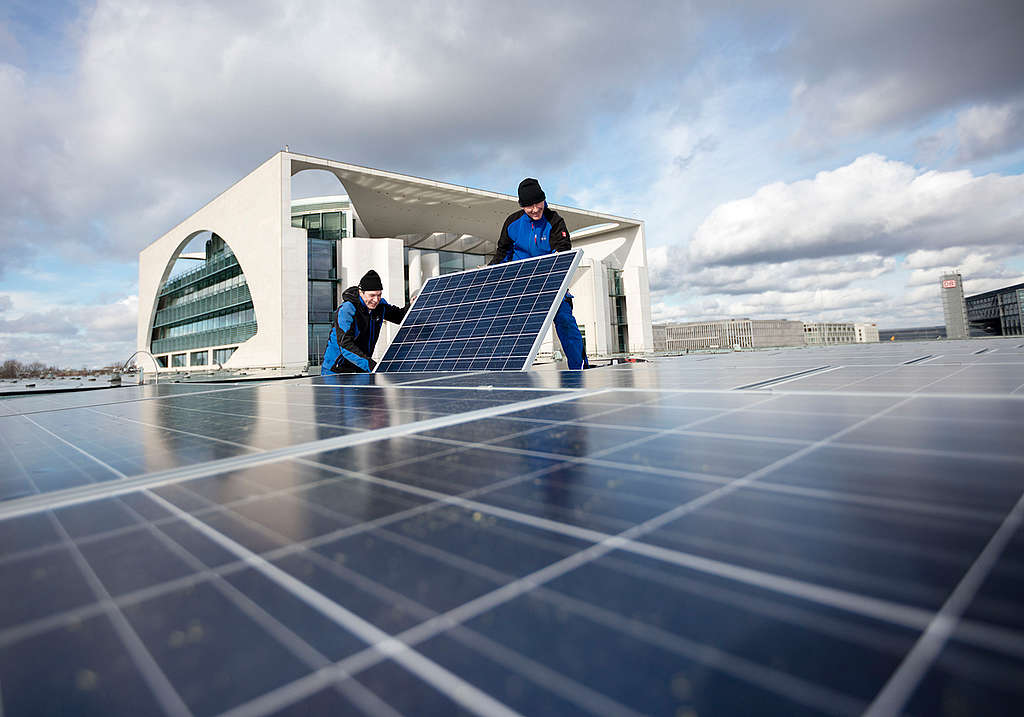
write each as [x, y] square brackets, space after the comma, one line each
[829, 332]
[728, 334]
[866, 333]
[248, 304]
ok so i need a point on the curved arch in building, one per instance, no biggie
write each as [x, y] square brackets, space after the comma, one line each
[211, 309]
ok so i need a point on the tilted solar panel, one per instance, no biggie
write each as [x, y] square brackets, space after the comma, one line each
[492, 318]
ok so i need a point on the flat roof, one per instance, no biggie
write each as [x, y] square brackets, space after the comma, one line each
[786, 529]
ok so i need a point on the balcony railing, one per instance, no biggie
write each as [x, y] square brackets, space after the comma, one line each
[233, 297]
[208, 269]
[204, 339]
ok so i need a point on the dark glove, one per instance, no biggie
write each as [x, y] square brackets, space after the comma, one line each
[372, 364]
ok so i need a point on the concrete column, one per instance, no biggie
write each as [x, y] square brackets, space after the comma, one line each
[416, 277]
[430, 265]
[638, 293]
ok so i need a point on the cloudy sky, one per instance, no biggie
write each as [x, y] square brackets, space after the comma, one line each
[798, 159]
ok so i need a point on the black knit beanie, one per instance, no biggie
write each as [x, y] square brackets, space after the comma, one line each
[530, 192]
[371, 282]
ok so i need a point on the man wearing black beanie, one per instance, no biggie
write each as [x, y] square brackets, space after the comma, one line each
[534, 230]
[357, 326]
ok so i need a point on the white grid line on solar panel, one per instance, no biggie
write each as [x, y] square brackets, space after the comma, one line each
[443, 295]
[448, 683]
[74, 496]
[901, 685]
[453, 501]
[907, 451]
[370, 656]
[843, 599]
[819, 494]
[458, 317]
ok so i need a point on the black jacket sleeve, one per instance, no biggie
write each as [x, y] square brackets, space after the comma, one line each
[504, 249]
[395, 314]
[559, 237]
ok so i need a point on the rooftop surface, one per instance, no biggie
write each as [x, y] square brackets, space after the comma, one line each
[806, 531]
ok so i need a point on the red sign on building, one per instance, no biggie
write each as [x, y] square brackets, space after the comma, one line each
[949, 283]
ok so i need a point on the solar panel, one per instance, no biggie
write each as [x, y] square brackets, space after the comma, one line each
[491, 318]
[746, 533]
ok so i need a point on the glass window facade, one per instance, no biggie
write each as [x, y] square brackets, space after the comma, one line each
[199, 358]
[178, 361]
[222, 355]
[997, 313]
[325, 227]
[617, 296]
[206, 306]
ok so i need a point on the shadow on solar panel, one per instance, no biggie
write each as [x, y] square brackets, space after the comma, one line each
[491, 318]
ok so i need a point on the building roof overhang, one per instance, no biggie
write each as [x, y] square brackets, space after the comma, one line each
[391, 204]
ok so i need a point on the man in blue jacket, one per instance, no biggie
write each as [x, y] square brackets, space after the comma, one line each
[534, 230]
[357, 325]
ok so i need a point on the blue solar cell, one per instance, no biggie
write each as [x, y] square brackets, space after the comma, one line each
[491, 318]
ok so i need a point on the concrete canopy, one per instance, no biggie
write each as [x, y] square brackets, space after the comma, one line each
[390, 204]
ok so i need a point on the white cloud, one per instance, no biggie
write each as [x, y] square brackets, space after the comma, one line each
[871, 205]
[981, 267]
[797, 275]
[168, 103]
[868, 66]
[32, 328]
[986, 130]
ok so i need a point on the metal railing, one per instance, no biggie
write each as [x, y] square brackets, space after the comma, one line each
[156, 366]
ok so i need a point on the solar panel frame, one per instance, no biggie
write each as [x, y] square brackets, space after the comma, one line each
[456, 309]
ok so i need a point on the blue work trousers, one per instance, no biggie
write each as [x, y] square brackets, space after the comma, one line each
[570, 338]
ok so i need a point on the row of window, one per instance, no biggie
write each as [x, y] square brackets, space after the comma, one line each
[322, 225]
[450, 262]
[195, 292]
[322, 259]
[214, 322]
[214, 264]
[196, 358]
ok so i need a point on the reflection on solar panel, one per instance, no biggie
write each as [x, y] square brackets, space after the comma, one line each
[833, 531]
[492, 318]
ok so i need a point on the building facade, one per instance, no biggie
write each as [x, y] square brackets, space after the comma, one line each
[828, 333]
[727, 334]
[996, 313]
[913, 333]
[274, 269]
[203, 313]
[866, 333]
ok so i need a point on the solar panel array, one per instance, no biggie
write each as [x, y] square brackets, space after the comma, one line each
[829, 531]
[491, 318]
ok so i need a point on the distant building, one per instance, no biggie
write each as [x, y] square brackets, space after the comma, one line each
[996, 313]
[829, 333]
[727, 334]
[953, 306]
[866, 333]
[659, 336]
[916, 333]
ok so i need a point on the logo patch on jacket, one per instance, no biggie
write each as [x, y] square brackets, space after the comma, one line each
[563, 233]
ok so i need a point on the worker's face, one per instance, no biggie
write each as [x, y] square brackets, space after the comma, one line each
[370, 298]
[535, 211]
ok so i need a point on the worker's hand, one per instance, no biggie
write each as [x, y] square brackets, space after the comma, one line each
[413, 295]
